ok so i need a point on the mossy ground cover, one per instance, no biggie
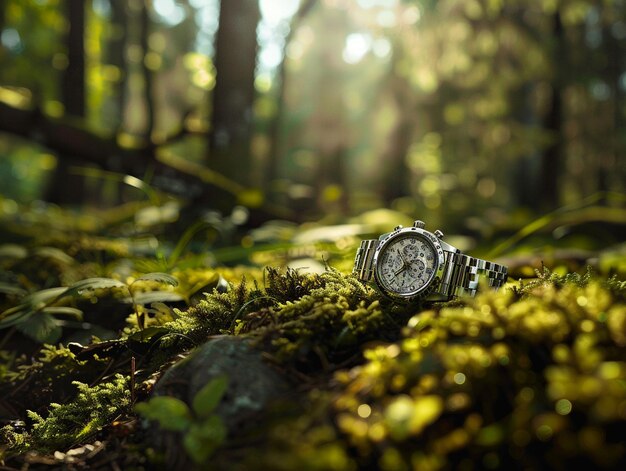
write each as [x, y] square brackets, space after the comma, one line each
[533, 376]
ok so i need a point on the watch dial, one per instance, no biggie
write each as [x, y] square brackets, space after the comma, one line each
[406, 264]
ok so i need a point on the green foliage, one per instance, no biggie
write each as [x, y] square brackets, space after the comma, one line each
[73, 422]
[528, 375]
[204, 437]
[171, 413]
[212, 314]
[203, 430]
[207, 399]
[35, 314]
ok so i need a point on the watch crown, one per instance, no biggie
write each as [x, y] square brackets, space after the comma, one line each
[439, 234]
[397, 228]
[419, 224]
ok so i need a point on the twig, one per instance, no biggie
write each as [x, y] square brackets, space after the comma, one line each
[132, 380]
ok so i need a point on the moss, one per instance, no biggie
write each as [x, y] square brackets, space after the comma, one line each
[333, 314]
[34, 383]
[493, 382]
[75, 421]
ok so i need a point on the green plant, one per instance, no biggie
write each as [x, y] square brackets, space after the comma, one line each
[35, 314]
[203, 430]
[73, 422]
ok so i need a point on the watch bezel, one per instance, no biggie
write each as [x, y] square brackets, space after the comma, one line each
[427, 288]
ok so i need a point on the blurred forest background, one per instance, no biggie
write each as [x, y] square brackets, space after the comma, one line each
[471, 115]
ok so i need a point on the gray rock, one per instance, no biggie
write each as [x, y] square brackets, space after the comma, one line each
[252, 384]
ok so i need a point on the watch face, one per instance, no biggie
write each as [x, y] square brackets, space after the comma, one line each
[406, 264]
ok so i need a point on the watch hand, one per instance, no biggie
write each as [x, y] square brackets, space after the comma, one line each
[400, 271]
[404, 262]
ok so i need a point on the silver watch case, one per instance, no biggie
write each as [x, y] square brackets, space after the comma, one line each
[436, 277]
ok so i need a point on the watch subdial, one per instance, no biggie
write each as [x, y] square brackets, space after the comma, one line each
[410, 251]
[391, 261]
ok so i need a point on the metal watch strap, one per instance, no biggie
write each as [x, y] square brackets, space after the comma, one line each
[363, 261]
[462, 274]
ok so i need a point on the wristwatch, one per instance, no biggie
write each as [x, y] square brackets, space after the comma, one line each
[412, 263]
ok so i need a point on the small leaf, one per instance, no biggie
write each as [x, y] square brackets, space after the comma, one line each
[15, 315]
[148, 334]
[53, 253]
[171, 413]
[91, 284]
[148, 297]
[203, 438]
[207, 399]
[42, 328]
[29, 305]
[64, 310]
[13, 251]
[36, 300]
[160, 277]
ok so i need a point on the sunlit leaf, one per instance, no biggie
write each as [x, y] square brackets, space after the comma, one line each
[153, 215]
[13, 251]
[64, 310]
[90, 284]
[55, 254]
[148, 297]
[160, 277]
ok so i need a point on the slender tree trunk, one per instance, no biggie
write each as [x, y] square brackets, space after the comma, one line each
[552, 156]
[64, 187]
[281, 78]
[115, 53]
[2, 15]
[144, 33]
[524, 171]
[395, 178]
[609, 157]
[3, 51]
[233, 97]
[73, 83]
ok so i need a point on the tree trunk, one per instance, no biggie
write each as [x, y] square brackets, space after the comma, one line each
[233, 97]
[2, 18]
[608, 168]
[524, 171]
[273, 160]
[552, 156]
[115, 56]
[144, 33]
[65, 188]
[73, 82]
[395, 171]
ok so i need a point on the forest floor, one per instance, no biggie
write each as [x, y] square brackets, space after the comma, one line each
[114, 359]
